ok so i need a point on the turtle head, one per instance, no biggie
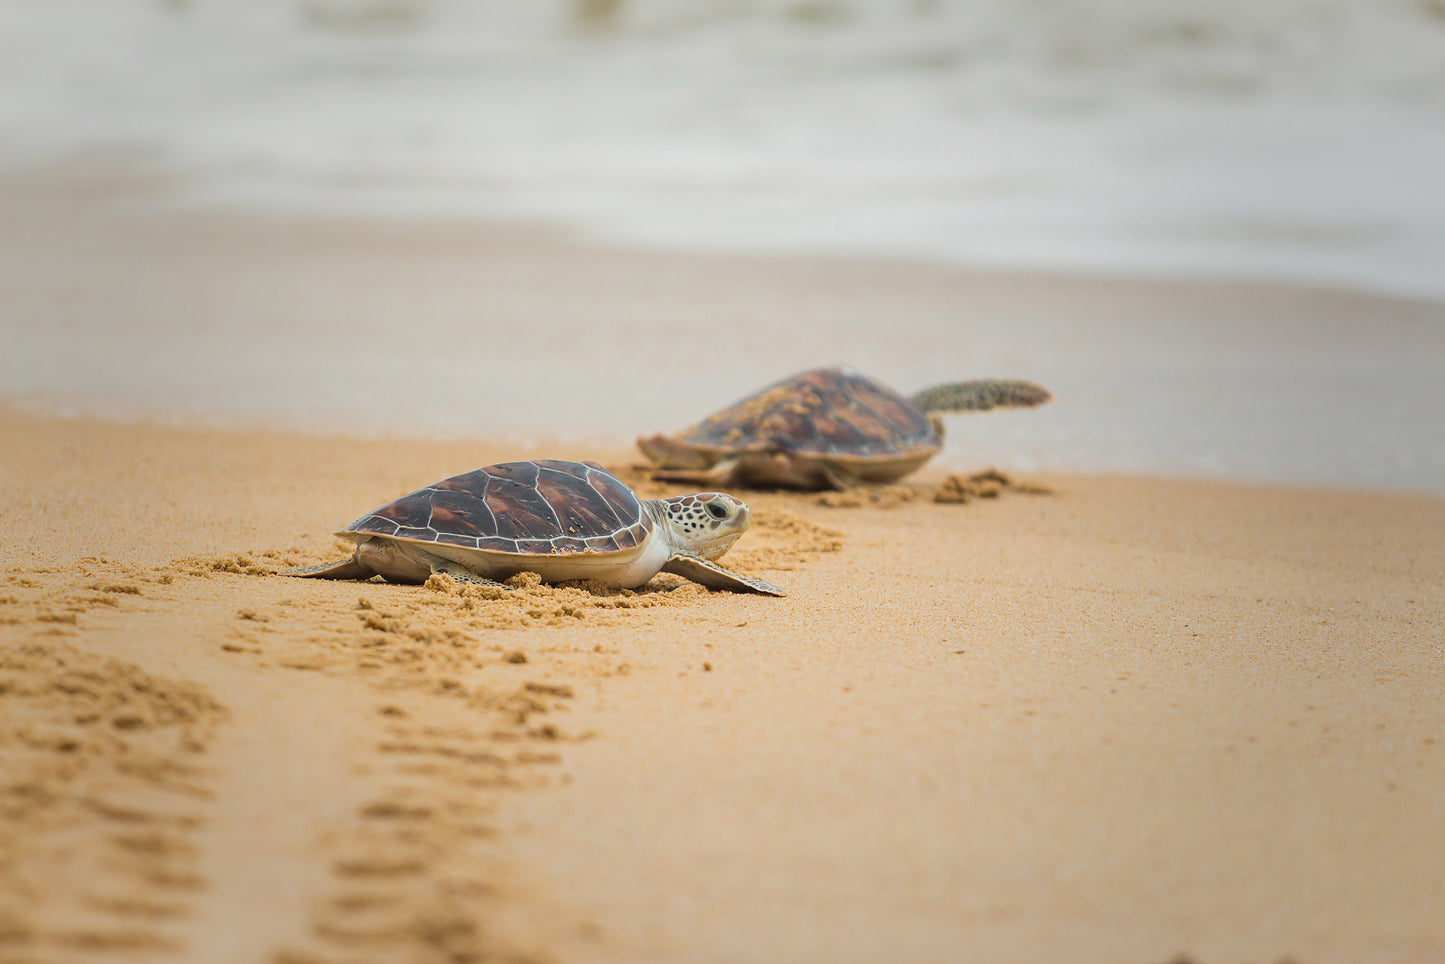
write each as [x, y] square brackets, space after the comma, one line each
[707, 523]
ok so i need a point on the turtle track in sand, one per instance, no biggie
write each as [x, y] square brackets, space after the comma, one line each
[377, 846]
[364, 839]
[331, 794]
[104, 787]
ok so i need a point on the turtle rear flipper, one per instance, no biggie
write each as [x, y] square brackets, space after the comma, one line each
[710, 574]
[348, 568]
[839, 477]
[980, 395]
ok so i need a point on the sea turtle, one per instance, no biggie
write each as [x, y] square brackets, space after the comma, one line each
[831, 428]
[561, 520]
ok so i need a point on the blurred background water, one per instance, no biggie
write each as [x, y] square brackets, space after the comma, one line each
[1299, 141]
[1288, 139]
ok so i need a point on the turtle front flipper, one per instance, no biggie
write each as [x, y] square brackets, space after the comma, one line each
[980, 395]
[721, 474]
[710, 574]
[348, 568]
[670, 452]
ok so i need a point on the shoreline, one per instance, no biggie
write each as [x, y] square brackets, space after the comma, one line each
[122, 304]
[1129, 719]
[573, 448]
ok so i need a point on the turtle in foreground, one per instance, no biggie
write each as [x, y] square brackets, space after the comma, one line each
[561, 520]
[831, 428]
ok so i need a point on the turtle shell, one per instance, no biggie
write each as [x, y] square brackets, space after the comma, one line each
[830, 412]
[529, 508]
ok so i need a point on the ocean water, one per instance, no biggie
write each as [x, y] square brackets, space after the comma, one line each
[1288, 139]
[1296, 141]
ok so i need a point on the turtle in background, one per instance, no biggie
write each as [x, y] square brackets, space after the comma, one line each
[561, 520]
[831, 428]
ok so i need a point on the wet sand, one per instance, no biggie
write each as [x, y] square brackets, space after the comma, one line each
[123, 304]
[1125, 719]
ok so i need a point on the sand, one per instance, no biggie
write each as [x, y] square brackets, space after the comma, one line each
[1119, 719]
[1085, 717]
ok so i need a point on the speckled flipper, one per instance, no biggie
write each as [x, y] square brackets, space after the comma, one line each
[980, 395]
[347, 568]
[466, 576]
[713, 576]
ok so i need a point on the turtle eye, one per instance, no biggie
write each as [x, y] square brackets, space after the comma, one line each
[717, 510]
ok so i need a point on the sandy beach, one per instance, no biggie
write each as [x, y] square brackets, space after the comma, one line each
[1091, 717]
[1123, 720]
[1157, 681]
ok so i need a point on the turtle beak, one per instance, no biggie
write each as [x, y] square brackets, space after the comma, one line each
[718, 548]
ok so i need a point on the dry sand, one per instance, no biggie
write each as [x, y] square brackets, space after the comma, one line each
[1120, 721]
